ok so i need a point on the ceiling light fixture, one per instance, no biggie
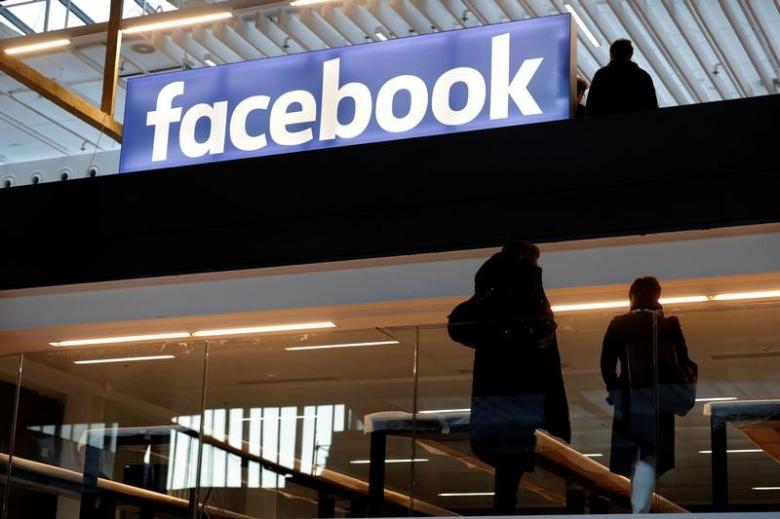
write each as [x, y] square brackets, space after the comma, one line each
[34, 47]
[301, 3]
[594, 455]
[603, 305]
[121, 339]
[264, 329]
[344, 345]
[280, 418]
[178, 22]
[380, 36]
[442, 411]
[683, 300]
[717, 399]
[737, 296]
[209, 62]
[735, 451]
[125, 359]
[465, 494]
[398, 460]
[765, 488]
[582, 25]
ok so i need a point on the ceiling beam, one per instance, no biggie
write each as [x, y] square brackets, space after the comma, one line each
[736, 79]
[672, 11]
[111, 66]
[61, 96]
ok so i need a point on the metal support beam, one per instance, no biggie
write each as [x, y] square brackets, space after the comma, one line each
[111, 67]
[59, 95]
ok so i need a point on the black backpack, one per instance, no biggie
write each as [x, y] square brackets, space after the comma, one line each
[484, 319]
[677, 377]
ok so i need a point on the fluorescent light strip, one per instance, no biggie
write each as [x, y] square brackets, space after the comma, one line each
[381, 36]
[300, 3]
[34, 47]
[209, 62]
[264, 329]
[590, 306]
[717, 399]
[735, 451]
[442, 411]
[582, 25]
[683, 300]
[465, 494]
[737, 296]
[279, 418]
[121, 339]
[124, 359]
[345, 345]
[594, 455]
[604, 305]
[399, 460]
[765, 488]
[179, 22]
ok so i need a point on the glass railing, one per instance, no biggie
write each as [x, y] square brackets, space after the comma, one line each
[393, 421]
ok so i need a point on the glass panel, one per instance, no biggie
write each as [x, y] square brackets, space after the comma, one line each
[476, 437]
[677, 393]
[9, 371]
[286, 421]
[99, 430]
[738, 412]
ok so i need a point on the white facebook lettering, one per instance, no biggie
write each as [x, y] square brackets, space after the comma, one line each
[292, 117]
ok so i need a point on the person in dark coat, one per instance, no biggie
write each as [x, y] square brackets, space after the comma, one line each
[642, 435]
[517, 381]
[621, 86]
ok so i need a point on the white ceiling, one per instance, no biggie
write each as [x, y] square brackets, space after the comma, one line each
[696, 50]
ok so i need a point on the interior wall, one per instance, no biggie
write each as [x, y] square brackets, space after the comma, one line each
[389, 284]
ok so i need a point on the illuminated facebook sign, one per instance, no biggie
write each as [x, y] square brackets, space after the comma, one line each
[484, 77]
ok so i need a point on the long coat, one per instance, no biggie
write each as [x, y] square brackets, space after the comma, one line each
[637, 430]
[517, 383]
[621, 86]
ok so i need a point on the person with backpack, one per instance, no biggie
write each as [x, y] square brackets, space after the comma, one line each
[656, 380]
[517, 383]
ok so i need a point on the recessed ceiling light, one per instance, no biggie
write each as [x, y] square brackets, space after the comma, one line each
[125, 359]
[683, 299]
[121, 339]
[143, 48]
[465, 494]
[601, 305]
[735, 451]
[444, 411]
[736, 296]
[396, 460]
[264, 329]
[301, 3]
[604, 305]
[344, 345]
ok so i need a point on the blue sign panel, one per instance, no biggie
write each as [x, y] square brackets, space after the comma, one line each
[484, 77]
